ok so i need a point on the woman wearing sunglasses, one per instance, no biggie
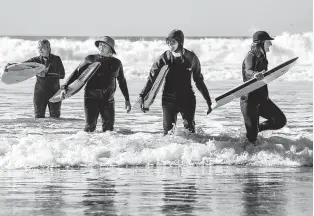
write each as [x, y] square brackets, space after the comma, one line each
[178, 95]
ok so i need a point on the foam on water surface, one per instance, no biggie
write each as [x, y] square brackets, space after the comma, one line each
[221, 58]
[26, 142]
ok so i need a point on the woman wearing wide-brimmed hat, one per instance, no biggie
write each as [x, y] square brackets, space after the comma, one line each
[101, 87]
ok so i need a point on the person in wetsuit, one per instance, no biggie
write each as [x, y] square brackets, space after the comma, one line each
[47, 82]
[178, 95]
[257, 103]
[101, 87]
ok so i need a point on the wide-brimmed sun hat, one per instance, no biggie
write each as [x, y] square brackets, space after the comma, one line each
[107, 40]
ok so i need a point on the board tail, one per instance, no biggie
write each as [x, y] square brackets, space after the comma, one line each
[150, 97]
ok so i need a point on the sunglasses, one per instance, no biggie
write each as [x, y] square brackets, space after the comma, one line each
[171, 42]
[42, 48]
[103, 45]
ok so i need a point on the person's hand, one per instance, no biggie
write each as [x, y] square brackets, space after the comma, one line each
[63, 92]
[64, 89]
[6, 67]
[209, 109]
[259, 76]
[209, 104]
[128, 106]
[41, 74]
[144, 109]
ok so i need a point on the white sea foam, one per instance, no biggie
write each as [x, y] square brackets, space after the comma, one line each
[220, 58]
[27, 142]
[114, 149]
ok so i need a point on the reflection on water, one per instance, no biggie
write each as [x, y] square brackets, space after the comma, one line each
[99, 197]
[260, 195]
[179, 197]
[49, 200]
[216, 190]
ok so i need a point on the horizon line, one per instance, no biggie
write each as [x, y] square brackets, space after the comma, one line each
[3, 35]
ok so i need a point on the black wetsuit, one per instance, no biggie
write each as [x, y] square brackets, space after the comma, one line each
[100, 90]
[47, 85]
[257, 103]
[178, 95]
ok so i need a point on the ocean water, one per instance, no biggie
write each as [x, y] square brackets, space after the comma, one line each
[52, 167]
[220, 57]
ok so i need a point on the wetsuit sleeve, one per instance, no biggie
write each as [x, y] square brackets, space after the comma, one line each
[34, 59]
[58, 69]
[123, 84]
[61, 69]
[78, 71]
[154, 71]
[249, 66]
[199, 80]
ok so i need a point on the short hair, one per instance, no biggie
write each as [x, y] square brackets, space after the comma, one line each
[45, 42]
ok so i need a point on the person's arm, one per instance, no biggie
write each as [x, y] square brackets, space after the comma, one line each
[249, 63]
[34, 59]
[77, 72]
[249, 68]
[61, 69]
[123, 84]
[57, 68]
[199, 80]
[124, 88]
[37, 59]
[154, 71]
[7, 65]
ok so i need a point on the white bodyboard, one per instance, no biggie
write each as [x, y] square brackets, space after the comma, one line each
[20, 72]
[254, 84]
[77, 85]
[151, 95]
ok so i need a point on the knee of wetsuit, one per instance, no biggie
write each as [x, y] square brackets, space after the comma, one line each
[192, 130]
[89, 129]
[274, 123]
[262, 126]
[107, 129]
[189, 125]
[282, 122]
[55, 115]
[252, 136]
[251, 139]
[107, 125]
